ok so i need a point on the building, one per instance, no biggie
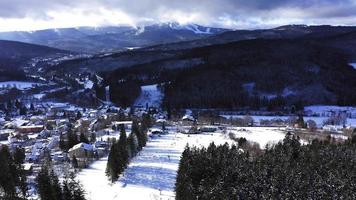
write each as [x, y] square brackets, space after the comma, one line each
[30, 129]
[83, 152]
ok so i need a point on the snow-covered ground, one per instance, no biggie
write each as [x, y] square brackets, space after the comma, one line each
[260, 135]
[326, 110]
[152, 174]
[150, 95]
[319, 120]
[21, 85]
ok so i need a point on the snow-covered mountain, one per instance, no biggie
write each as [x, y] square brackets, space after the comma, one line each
[112, 38]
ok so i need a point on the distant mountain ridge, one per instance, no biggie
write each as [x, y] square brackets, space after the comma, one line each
[112, 38]
[16, 55]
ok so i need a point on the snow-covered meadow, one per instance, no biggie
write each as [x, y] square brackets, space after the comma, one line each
[152, 173]
[21, 85]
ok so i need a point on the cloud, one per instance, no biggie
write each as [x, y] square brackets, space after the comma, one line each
[35, 14]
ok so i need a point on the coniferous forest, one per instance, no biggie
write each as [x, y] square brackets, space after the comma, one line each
[320, 170]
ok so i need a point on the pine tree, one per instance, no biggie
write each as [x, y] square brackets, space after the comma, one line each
[74, 162]
[44, 185]
[92, 137]
[19, 158]
[183, 187]
[123, 151]
[140, 134]
[55, 186]
[76, 188]
[118, 157]
[132, 144]
[83, 138]
[7, 176]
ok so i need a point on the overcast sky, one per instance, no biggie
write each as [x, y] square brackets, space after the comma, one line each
[237, 14]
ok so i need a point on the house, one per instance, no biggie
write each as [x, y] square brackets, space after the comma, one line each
[4, 134]
[209, 129]
[83, 152]
[333, 128]
[127, 124]
[30, 129]
[28, 168]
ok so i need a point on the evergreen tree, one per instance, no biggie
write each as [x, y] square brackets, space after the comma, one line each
[74, 162]
[118, 157]
[23, 110]
[132, 145]
[8, 176]
[123, 150]
[44, 184]
[79, 115]
[112, 166]
[92, 137]
[55, 186]
[76, 189]
[83, 138]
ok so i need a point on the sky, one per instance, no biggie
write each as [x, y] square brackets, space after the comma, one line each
[236, 14]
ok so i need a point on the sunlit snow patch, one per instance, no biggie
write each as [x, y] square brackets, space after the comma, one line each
[150, 95]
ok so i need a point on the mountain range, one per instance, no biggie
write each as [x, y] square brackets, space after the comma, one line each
[218, 68]
[112, 38]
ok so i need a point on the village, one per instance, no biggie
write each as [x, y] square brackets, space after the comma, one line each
[73, 138]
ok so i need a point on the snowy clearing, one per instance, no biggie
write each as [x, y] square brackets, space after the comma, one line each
[260, 135]
[21, 85]
[152, 174]
[151, 95]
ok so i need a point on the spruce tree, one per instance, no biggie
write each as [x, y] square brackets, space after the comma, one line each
[76, 188]
[55, 186]
[132, 144]
[7, 177]
[44, 185]
[122, 150]
[112, 166]
[83, 138]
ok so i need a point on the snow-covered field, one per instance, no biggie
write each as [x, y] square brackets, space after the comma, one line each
[152, 174]
[319, 120]
[150, 95]
[21, 85]
[260, 135]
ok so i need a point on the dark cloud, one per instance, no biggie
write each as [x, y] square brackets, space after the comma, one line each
[232, 13]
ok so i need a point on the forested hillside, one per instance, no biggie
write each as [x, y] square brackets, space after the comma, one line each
[320, 170]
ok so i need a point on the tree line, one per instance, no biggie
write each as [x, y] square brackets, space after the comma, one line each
[127, 147]
[288, 170]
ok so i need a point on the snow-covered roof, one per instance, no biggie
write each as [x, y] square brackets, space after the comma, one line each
[188, 117]
[122, 122]
[82, 145]
[161, 121]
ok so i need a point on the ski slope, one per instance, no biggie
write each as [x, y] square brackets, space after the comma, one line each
[150, 95]
[152, 174]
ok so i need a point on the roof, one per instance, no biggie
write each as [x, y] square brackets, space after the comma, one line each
[188, 117]
[82, 145]
[122, 122]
